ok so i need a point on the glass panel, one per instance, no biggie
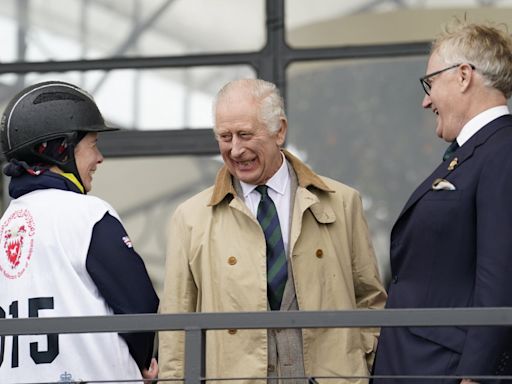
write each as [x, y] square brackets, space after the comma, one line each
[145, 191]
[361, 122]
[357, 22]
[85, 29]
[144, 99]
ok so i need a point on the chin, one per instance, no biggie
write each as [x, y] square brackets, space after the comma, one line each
[246, 180]
[244, 177]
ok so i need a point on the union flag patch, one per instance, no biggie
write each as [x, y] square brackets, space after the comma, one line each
[127, 241]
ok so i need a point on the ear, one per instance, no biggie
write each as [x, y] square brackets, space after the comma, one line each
[465, 76]
[281, 133]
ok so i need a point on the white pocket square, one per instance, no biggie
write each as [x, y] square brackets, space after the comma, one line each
[443, 185]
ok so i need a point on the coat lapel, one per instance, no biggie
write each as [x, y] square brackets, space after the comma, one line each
[461, 155]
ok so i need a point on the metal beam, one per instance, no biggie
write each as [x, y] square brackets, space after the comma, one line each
[195, 352]
[22, 10]
[126, 143]
[361, 52]
[253, 59]
[249, 58]
[259, 320]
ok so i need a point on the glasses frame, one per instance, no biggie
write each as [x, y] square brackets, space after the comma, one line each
[427, 86]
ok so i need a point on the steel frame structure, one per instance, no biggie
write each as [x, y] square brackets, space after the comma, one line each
[270, 63]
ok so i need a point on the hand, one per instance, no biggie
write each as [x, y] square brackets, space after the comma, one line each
[468, 381]
[152, 372]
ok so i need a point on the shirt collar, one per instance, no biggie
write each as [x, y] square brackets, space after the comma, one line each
[479, 121]
[278, 182]
[306, 178]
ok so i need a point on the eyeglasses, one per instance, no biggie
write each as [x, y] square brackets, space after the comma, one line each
[425, 83]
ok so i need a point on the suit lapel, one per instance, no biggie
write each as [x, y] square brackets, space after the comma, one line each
[461, 154]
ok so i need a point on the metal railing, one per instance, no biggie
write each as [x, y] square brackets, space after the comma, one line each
[195, 326]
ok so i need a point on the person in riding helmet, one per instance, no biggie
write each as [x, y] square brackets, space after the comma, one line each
[63, 252]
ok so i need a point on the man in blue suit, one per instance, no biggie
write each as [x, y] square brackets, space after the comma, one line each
[451, 245]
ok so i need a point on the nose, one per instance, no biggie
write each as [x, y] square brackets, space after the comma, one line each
[100, 157]
[427, 102]
[237, 148]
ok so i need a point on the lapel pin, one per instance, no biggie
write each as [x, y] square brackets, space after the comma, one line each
[453, 164]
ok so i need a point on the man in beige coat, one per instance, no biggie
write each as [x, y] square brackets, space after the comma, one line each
[216, 260]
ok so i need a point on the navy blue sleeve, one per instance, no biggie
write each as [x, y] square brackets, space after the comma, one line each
[122, 279]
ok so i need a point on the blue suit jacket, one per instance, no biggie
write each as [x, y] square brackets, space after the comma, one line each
[453, 248]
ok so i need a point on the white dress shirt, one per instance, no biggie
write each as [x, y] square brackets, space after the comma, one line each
[279, 192]
[479, 121]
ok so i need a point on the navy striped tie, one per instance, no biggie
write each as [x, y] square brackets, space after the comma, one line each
[277, 272]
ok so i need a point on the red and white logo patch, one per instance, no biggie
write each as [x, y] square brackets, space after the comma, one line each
[17, 243]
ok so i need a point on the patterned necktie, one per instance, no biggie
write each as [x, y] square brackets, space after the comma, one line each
[451, 148]
[277, 272]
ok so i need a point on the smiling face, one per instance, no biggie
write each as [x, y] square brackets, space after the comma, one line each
[251, 153]
[87, 158]
[445, 99]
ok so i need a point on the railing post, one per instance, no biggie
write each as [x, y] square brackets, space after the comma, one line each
[195, 352]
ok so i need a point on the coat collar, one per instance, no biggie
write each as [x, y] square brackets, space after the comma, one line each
[27, 183]
[305, 176]
[460, 156]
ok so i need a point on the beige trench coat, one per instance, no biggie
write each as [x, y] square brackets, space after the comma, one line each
[216, 263]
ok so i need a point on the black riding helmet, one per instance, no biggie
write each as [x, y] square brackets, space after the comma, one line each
[47, 111]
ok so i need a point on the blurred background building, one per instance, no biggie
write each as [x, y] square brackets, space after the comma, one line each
[349, 71]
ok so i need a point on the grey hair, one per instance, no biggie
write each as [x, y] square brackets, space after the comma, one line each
[485, 46]
[267, 94]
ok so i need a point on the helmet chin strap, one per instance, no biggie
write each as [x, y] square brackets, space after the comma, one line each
[70, 167]
[67, 165]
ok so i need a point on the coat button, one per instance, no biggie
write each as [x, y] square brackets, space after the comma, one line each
[232, 331]
[319, 253]
[395, 279]
[232, 260]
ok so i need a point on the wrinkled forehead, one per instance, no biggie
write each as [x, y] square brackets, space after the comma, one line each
[236, 105]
